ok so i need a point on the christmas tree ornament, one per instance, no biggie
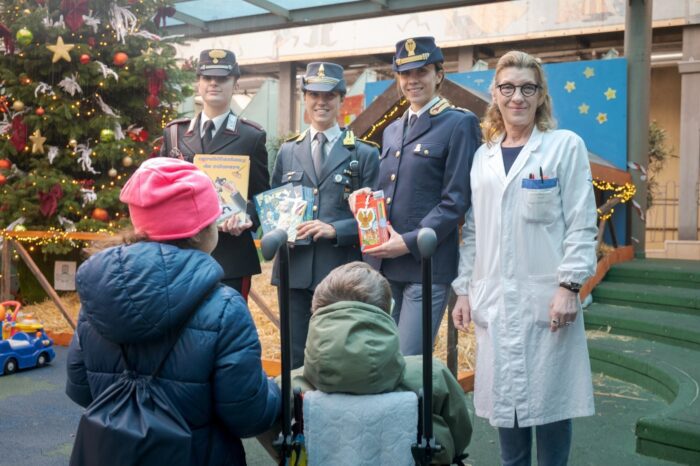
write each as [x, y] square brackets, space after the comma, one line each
[9, 42]
[112, 173]
[73, 12]
[3, 179]
[20, 227]
[107, 135]
[70, 84]
[92, 42]
[85, 59]
[40, 111]
[25, 80]
[127, 161]
[152, 101]
[3, 104]
[120, 58]
[24, 37]
[5, 164]
[107, 71]
[60, 50]
[73, 143]
[37, 142]
[18, 137]
[18, 106]
[48, 202]
[123, 22]
[100, 214]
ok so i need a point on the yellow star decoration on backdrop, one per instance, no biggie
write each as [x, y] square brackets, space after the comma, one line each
[602, 118]
[589, 72]
[570, 86]
[583, 109]
[610, 93]
[37, 142]
[60, 50]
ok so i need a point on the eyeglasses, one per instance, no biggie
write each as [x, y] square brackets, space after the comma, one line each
[527, 90]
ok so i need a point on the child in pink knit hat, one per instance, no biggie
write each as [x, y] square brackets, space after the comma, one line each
[163, 290]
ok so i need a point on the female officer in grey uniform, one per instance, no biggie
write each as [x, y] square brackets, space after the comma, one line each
[330, 160]
[424, 173]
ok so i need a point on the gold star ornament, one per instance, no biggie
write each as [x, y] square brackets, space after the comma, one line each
[583, 108]
[602, 118]
[570, 86]
[37, 142]
[589, 72]
[610, 93]
[60, 50]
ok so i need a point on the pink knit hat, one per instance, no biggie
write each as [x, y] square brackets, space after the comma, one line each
[170, 199]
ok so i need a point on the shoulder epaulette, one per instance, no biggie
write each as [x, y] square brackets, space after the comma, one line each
[371, 143]
[442, 105]
[179, 121]
[349, 139]
[301, 136]
[252, 123]
[292, 137]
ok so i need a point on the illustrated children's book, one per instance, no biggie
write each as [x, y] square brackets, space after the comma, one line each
[230, 176]
[370, 213]
[285, 207]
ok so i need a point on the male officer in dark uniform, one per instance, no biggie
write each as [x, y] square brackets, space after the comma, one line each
[217, 130]
[333, 162]
[424, 173]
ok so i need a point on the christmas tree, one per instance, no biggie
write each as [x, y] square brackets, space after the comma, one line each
[86, 87]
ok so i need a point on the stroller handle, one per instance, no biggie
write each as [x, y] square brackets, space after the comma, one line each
[271, 242]
[427, 242]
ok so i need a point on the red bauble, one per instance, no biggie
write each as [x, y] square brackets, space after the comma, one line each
[40, 111]
[120, 58]
[152, 101]
[3, 180]
[85, 59]
[100, 214]
[5, 164]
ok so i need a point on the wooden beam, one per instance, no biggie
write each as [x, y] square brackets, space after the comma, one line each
[257, 299]
[42, 280]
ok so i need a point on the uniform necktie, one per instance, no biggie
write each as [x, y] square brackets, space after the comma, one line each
[208, 134]
[412, 120]
[318, 154]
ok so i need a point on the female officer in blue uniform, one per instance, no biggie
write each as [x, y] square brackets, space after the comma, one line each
[424, 173]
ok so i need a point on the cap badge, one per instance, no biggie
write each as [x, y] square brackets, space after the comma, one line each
[321, 71]
[216, 55]
[411, 47]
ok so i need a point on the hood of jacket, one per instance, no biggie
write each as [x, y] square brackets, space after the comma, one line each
[353, 347]
[140, 292]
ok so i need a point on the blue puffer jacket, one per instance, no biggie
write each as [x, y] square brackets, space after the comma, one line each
[139, 295]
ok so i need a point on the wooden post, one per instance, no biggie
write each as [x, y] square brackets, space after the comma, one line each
[257, 299]
[6, 282]
[41, 279]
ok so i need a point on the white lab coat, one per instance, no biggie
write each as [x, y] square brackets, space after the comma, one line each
[518, 243]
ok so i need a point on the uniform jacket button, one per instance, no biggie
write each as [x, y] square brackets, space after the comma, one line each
[393, 176]
[398, 153]
[315, 208]
[315, 190]
[388, 200]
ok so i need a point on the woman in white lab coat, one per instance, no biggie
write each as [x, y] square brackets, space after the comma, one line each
[529, 244]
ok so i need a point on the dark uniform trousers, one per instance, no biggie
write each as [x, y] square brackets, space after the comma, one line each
[237, 136]
[309, 264]
[424, 173]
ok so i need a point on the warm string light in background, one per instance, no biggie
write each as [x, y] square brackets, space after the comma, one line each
[624, 193]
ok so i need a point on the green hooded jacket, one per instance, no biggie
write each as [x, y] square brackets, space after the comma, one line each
[353, 348]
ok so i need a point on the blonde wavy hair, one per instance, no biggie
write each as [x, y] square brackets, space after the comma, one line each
[492, 126]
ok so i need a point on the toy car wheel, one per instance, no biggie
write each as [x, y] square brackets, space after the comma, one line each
[42, 360]
[10, 366]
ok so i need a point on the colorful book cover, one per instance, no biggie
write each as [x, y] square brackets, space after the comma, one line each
[283, 207]
[370, 213]
[230, 174]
